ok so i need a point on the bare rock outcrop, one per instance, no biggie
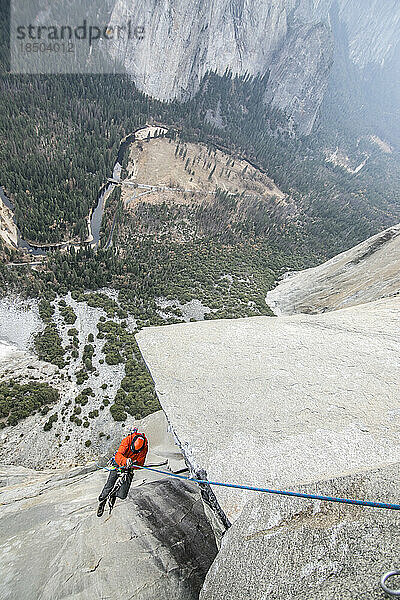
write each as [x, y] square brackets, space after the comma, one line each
[302, 402]
[8, 229]
[362, 274]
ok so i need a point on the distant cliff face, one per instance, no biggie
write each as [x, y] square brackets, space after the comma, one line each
[373, 30]
[183, 40]
[299, 74]
[365, 273]
[291, 39]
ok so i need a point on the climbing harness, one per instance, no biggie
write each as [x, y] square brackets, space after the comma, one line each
[122, 475]
[112, 496]
[386, 589]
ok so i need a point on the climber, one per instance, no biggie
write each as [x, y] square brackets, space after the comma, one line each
[132, 451]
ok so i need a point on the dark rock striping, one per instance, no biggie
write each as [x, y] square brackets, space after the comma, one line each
[379, 241]
[182, 529]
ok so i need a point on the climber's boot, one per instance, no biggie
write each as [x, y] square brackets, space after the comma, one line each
[101, 507]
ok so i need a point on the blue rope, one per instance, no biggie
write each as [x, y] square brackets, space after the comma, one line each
[281, 492]
[271, 491]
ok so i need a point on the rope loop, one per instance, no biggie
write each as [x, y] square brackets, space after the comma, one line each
[386, 589]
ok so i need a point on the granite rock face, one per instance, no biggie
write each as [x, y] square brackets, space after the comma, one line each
[302, 402]
[287, 42]
[184, 40]
[156, 544]
[283, 548]
[362, 274]
[305, 402]
[299, 75]
[373, 30]
[292, 39]
[279, 402]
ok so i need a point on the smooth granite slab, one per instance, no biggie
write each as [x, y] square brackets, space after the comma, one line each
[281, 401]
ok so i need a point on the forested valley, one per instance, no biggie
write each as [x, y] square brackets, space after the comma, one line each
[60, 139]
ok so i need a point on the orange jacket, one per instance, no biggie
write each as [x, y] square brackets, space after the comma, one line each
[124, 451]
